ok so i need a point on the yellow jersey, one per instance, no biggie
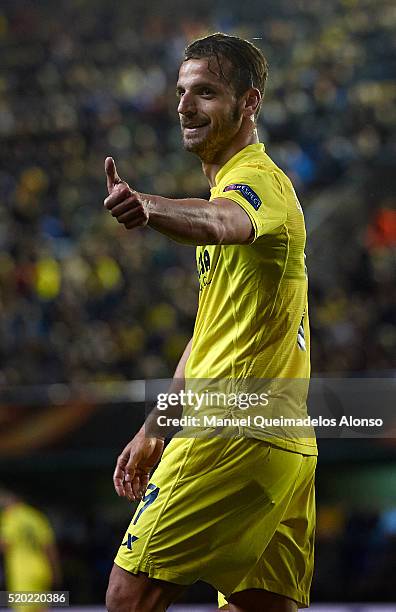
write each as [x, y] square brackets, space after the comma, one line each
[252, 321]
[25, 532]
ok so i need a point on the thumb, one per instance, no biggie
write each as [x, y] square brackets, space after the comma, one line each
[111, 174]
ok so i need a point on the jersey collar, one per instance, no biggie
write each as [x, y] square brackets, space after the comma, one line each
[246, 152]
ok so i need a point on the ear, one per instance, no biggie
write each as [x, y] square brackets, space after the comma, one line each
[252, 101]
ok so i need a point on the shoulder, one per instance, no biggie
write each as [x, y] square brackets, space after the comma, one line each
[254, 179]
[256, 166]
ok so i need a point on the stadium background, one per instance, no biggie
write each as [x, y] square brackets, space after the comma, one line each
[86, 307]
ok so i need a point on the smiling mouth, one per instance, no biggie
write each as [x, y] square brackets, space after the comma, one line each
[195, 132]
[194, 127]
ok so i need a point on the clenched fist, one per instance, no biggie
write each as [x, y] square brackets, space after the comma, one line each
[125, 204]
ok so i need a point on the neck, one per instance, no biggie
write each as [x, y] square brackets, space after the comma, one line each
[242, 140]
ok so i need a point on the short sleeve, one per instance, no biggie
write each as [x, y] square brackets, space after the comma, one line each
[259, 192]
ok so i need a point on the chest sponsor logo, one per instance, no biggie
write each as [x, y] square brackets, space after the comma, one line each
[203, 268]
[246, 192]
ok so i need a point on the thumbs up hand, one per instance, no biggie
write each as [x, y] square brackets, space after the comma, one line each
[125, 204]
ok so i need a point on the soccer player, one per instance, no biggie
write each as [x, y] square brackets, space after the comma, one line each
[28, 545]
[238, 512]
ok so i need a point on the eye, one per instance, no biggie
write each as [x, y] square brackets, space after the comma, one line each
[179, 93]
[207, 92]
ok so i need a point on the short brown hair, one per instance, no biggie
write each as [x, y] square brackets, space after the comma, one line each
[249, 64]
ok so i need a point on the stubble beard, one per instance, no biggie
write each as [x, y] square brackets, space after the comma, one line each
[213, 144]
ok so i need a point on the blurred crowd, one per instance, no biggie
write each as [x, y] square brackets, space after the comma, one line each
[355, 554]
[353, 312]
[83, 299]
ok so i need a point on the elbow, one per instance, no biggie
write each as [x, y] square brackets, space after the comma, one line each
[224, 232]
[219, 229]
[230, 231]
[216, 233]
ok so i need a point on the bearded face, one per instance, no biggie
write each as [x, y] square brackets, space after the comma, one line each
[208, 109]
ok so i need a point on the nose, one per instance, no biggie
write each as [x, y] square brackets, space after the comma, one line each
[186, 105]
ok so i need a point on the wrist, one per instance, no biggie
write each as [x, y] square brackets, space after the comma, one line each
[148, 204]
[147, 431]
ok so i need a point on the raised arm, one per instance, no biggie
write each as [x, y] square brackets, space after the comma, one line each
[190, 221]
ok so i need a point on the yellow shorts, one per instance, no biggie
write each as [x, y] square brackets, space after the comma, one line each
[237, 513]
